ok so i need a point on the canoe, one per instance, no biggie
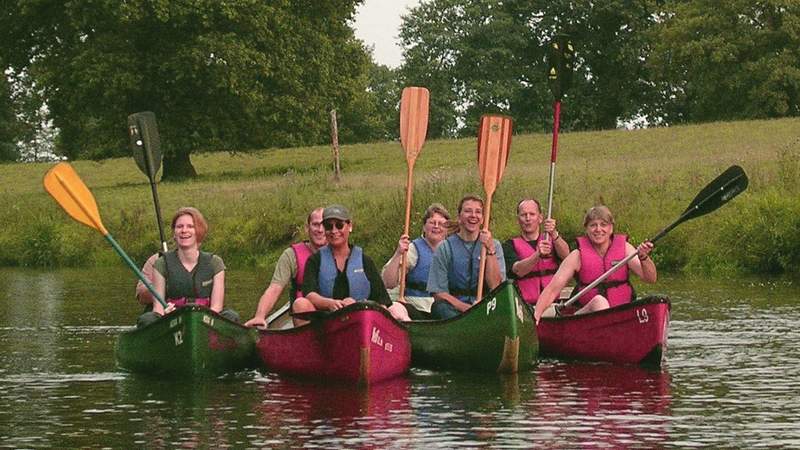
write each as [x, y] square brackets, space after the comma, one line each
[191, 341]
[497, 334]
[633, 333]
[360, 343]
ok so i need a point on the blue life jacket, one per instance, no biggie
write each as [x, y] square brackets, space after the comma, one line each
[356, 278]
[462, 276]
[417, 279]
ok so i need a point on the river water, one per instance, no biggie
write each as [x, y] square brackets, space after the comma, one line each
[731, 380]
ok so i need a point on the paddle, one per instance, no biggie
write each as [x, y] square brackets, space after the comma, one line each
[69, 191]
[494, 142]
[413, 128]
[559, 76]
[146, 147]
[728, 185]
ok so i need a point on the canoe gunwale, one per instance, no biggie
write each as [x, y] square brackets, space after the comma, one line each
[648, 300]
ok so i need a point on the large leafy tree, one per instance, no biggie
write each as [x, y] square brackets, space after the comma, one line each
[728, 60]
[8, 148]
[220, 75]
[480, 56]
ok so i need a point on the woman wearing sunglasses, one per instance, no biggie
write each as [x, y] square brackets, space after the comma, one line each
[341, 274]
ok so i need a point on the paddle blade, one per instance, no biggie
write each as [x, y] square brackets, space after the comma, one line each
[145, 143]
[725, 187]
[69, 191]
[561, 60]
[494, 142]
[413, 120]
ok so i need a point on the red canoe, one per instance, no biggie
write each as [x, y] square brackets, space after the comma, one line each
[360, 343]
[634, 333]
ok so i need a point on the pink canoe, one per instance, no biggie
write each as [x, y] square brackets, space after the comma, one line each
[360, 343]
[634, 333]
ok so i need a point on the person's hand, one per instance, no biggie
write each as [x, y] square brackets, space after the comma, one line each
[550, 227]
[256, 322]
[545, 247]
[170, 307]
[348, 301]
[643, 250]
[486, 239]
[402, 245]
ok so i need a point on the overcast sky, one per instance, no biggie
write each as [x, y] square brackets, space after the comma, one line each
[378, 24]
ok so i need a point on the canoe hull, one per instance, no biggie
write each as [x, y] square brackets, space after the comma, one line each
[634, 333]
[191, 341]
[359, 344]
[497, 334]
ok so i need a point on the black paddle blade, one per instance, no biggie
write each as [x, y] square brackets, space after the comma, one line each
[560, 65]
[145, 142]
[725, 187]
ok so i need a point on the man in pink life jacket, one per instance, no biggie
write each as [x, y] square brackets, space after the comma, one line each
[597, 252]
[530, 255]
[290, 268]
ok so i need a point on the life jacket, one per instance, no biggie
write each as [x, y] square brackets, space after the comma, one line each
[533, 283]
[184, 287]
[301, 253]
[356, 278]
[462, 276]
[417, 279]
[616, 288]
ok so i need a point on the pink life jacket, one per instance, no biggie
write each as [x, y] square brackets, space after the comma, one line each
[301, 253]
[616, 288]
[533, 283]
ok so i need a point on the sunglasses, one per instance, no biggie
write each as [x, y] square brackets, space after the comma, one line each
[331, 223]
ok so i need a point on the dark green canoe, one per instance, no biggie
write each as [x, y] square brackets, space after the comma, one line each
[190, 341]
[497, 334]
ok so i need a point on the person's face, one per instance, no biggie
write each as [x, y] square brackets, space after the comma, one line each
[529, 217]
[337, 231]
[184, 232]
[471, 216]
[599, 231]
[316, 232]
[435, 228]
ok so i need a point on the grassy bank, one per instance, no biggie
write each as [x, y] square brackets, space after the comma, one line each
[256, 202]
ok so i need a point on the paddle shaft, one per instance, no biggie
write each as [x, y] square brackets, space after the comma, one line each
[157, 206]
[407, 226]
[135, 269]
[482, 267]
[553, 154]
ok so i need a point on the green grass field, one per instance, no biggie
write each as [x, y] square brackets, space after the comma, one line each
[256, 202]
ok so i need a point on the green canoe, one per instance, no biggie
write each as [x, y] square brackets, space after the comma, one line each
[497, 334]
[190, 341]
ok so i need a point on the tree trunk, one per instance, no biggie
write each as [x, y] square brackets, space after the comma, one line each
[335, 144]
[177, 165]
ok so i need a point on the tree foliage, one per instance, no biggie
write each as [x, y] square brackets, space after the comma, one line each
[220, 75]
[8, 148]
[729, 60]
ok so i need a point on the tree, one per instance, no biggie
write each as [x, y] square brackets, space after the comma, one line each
[226, 75]
[481, 56]
[8, 148]
[728, 60]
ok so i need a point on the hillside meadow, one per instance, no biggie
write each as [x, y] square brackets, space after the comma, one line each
[257, 201]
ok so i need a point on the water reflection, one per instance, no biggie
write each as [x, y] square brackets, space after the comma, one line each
[604, 404]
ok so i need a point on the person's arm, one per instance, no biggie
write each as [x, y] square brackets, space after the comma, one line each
[143, 295]
[494, 274]
[523, 266]
[218, 292]
[310, 287]
[556, 240]
[567, 269]
[391, 271]
[265, 305]
[457, 304]
[159, 283]
[643, 265]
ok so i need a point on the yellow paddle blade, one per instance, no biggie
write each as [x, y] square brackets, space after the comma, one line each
[494, 142]
[69, 191]
[413, 120]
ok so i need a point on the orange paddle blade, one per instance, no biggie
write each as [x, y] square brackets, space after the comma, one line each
[413, 120]
[494, 142]
[69, 191]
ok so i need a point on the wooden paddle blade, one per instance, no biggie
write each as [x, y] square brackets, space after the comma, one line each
[494, 143]
[413, 120]
[145, 143]
[69, 191]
